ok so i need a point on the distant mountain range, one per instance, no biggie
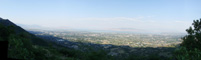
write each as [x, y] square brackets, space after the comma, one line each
[74, 29]
[126, 30]
[29, 26]
[112, 30]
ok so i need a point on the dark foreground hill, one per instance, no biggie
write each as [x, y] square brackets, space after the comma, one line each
[14, 29]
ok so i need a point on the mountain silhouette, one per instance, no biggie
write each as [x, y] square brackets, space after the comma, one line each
[6, 22]
[18, 30]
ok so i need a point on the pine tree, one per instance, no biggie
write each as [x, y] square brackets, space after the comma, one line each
[193, 39]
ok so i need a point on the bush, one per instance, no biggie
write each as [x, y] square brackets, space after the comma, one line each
[190, 47]
[184, 54]
[17, 49]
[193, 39]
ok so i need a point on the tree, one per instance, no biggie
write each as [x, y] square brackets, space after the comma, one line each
[193, 39]
[5, 32]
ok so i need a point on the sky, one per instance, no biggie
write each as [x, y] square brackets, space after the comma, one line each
[149, 15]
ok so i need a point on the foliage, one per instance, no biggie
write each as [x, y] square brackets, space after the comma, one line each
[193, 39]
[190, 48]
[149, 57]
[184, 54]
[91, 55]
[5, 32]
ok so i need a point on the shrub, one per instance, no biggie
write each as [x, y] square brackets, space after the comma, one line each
[184, 54]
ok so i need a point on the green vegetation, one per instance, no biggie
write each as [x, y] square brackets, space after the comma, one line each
[190, 48]
[5, 32]
[184, 54]
[150, 57]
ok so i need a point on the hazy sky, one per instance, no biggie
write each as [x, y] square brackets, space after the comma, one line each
[153, 15]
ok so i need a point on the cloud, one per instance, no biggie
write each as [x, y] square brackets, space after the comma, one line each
[181, 21]
[111, 19]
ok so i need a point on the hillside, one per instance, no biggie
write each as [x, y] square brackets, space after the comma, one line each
[18, 30]
[6, 22]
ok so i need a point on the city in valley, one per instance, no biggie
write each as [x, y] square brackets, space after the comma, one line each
[116, 44]
[125, 39]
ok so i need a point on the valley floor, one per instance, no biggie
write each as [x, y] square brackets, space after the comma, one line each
[113, 50]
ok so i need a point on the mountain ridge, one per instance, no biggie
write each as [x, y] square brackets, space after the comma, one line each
[7, 22]
[19, 30]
